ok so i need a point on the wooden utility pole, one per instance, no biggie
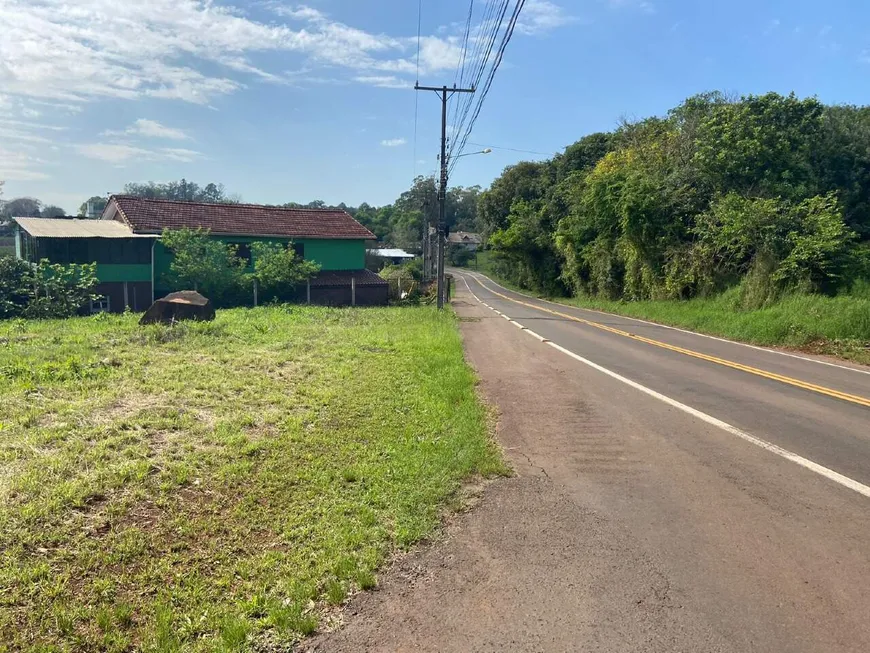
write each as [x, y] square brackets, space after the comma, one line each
[444, 93]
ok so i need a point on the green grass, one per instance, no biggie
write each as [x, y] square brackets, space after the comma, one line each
[836, 326]
[214, 486]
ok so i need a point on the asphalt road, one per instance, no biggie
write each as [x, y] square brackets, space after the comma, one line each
[815, 424]
[674, 493]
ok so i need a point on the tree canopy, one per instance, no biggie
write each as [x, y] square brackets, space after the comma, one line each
[770, 188]
[182, 190]
[95, 204]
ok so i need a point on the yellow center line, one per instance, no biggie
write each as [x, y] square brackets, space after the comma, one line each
[855, 399]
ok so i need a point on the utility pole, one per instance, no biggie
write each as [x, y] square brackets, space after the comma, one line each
[445, 93]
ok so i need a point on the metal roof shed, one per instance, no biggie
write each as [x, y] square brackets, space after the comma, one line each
[55, 228]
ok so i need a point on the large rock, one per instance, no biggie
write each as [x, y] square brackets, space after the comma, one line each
[184, 305]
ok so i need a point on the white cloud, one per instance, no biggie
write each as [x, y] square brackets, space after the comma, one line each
[394, 142]
[111, 152]
[150, 129]
[542, 16]
[383, 81]
[435, 54]
[192, 50]
[121, 152]
[154, 129]
[643, 5]
[21, 135]
[66, 53]
[772, 26]
[300, 12]
[58, 55]
[179, 154]
[19, 166]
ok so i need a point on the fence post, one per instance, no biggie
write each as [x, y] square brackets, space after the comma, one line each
[308, 293]
[399, 284]
[255, 293]
[352, 290]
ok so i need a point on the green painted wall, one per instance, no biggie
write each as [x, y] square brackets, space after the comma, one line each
[336, 254]
[330, 254]
[109, 272]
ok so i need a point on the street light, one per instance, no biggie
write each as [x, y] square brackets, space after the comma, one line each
[459, 156]
[486, 151]
[442, 207]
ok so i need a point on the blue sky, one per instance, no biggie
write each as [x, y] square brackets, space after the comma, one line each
[289, 102]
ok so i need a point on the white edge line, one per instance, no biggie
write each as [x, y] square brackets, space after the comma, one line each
[536, 336]
[518, 325]
[673, 328]
[506, 317]
[767, 446]
[821, 470]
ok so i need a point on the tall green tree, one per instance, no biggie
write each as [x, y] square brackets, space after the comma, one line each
[654, 208]
[761, 146]
[277, 267]
[95, 204]
[182, 190]
[203, 263]
[22, 207]
[52, 211]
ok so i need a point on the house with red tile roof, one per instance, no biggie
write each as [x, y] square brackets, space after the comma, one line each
[132, 264]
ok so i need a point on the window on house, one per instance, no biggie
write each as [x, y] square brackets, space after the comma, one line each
[101, 304]
[243, 251]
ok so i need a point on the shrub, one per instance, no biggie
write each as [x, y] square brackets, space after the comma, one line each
[16, 286]
[45, 290]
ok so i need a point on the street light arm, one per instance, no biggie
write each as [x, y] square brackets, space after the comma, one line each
[486, 151]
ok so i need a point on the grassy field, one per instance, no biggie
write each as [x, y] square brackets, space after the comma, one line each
[837, 326]
[216, 486]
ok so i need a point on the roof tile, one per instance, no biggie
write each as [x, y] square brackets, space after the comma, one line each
[153, 216]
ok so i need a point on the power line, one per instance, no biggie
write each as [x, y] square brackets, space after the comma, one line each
[499, 56]
[460, 67]
[489, 29]
[461, 107]
[508, 34]
[459, 77]
[510, 149]
[417, 95]
[419, 36]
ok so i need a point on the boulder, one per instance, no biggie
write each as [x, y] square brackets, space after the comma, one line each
[184, 305]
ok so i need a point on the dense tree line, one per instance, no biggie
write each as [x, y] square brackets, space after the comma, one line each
[29, 207]
[400, 224]
[770, 193]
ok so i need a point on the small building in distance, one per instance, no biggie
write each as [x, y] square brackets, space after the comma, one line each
[132, 263]
[470, 241]
[394, 256]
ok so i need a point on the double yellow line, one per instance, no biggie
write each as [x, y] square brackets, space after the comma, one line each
[836, 394]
